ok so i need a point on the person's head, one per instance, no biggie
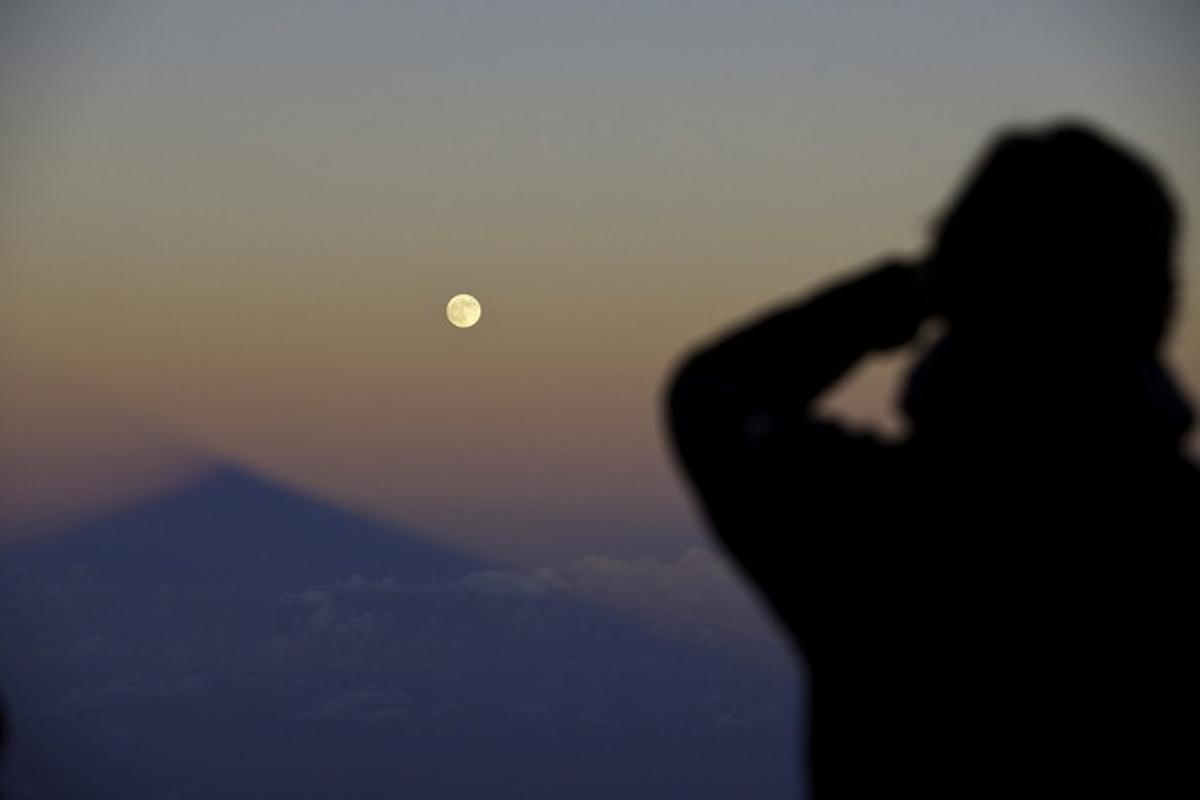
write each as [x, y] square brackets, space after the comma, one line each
[1061, 241]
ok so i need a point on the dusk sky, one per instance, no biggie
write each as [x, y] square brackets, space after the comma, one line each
[237, 224]
[228, 233]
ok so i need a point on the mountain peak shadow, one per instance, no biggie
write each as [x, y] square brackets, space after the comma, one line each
[232, 524]
[214, 642]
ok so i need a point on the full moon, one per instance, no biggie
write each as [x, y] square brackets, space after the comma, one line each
[463, 311]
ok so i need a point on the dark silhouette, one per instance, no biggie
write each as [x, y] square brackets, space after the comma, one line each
[1001, 604]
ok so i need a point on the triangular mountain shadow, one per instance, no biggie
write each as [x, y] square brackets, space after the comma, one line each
[232, 525]
[236, 639]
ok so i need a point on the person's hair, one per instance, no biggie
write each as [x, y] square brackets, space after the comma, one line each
[1060, 236]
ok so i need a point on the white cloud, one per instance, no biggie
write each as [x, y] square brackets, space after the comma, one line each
[697, 598]
[361, 705]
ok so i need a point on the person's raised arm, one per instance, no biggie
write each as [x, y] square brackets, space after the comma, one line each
[739, 408]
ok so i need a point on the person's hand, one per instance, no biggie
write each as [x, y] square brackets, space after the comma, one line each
[903, 301]
[924, 270]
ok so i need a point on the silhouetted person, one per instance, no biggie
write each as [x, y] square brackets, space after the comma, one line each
[1002, 604]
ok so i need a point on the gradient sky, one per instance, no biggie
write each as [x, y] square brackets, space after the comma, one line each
[239, 222]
